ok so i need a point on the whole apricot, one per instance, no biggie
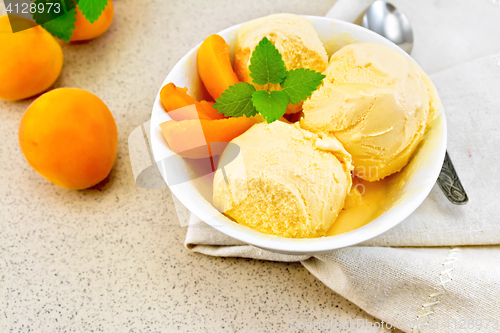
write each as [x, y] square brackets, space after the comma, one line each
[30, 61]
[84, 30]
[69, 136]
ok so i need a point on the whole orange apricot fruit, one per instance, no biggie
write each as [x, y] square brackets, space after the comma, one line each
[69, 136]
[84, 30]
[30, 61]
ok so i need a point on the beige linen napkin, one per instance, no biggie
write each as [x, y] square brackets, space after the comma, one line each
[423, 289]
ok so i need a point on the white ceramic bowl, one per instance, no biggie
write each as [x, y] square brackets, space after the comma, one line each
[415, 181]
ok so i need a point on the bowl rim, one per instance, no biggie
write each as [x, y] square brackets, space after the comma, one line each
[309, 246]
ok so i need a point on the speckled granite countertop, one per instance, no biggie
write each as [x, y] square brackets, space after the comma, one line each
[111, 259]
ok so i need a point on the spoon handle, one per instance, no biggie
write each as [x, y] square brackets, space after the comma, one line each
[450, 184]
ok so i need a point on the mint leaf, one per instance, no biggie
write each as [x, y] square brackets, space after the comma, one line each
[56, 16]
[236, 101]
[92, 9]
[62, 27]
[270, 104]
[266, 64]
[300, 84]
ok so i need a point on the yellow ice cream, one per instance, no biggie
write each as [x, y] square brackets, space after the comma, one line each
[294, 37]
[377, 103]
[286, 181]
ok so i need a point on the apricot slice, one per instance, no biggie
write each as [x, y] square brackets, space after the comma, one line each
[193, 138]
[214, 66]
[210, 111]
[174, 98]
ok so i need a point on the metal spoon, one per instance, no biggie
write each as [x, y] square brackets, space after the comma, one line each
[386, 20]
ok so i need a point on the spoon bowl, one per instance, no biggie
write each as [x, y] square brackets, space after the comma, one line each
[386, 20]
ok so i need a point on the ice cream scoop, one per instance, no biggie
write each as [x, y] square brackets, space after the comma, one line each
[286, 181]
[377, 103]
[294, 37]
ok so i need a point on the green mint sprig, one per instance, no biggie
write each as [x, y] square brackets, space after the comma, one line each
[59, 19]
[267, 67]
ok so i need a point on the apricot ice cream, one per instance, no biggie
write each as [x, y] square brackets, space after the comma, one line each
[294, 37]
[377, 103]
[286, 181]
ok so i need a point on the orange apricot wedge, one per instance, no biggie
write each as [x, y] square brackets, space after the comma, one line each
[214, 66]
[210, 111]
[175, 98]
[196, 138]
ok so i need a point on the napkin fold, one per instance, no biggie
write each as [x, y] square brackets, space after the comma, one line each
[441, 287]
[423, 289]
